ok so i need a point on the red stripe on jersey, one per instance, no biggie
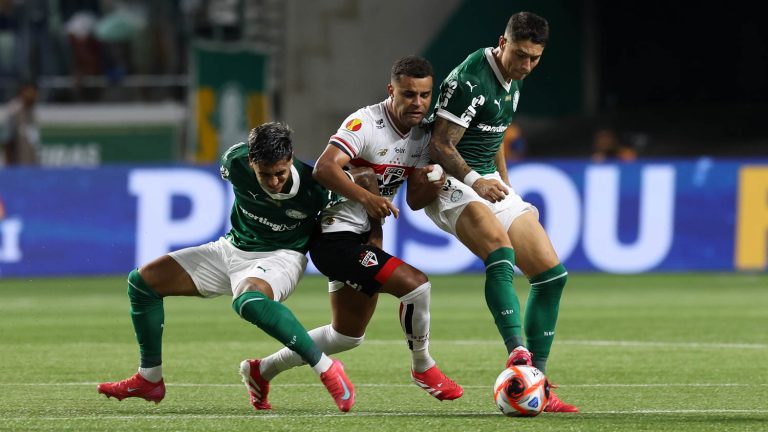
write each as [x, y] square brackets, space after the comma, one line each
[380, 168]
[387, 269]
[343, 146]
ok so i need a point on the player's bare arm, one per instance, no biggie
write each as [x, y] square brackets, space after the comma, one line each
[442, 149]
[366, 178]
[329, 171]
[501, 165]
[420, 190]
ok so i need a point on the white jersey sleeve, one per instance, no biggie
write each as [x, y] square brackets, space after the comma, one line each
[353, 134]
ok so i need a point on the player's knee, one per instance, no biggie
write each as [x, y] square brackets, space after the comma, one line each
[344, 341]
[245, 304]
[253, 285]
[139, 291]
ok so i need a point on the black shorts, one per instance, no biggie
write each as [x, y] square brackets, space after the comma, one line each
[344, 257]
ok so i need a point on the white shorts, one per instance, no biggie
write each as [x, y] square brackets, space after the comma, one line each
[217, 268]
[445, 210]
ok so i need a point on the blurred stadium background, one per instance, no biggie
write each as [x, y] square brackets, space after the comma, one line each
[137, 99]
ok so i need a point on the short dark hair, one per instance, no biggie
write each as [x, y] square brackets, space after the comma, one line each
[270, 143]
[412, 66]
[524, 26]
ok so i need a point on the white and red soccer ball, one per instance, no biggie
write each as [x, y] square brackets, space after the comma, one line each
[521, 391]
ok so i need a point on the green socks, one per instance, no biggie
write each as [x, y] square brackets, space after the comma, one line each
[277, 321]
[148, 316]
[500, 296]
[541, 312]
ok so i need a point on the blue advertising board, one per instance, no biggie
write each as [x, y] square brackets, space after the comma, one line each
[656, 215]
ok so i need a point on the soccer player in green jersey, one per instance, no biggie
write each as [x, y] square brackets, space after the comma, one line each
[259, 262]
[477, 102]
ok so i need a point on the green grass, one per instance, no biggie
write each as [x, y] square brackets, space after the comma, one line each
[651, 352]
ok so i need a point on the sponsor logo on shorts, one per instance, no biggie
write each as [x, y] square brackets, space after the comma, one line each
[368, 259]
[456, 195]
[329, 221]
[354, 125]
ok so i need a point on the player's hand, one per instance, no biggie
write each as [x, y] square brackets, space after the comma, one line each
[490, 189]
[435, 175]
[379, 207]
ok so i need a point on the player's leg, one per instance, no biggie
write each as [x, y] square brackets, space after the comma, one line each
[413, 289]
[483, 234]
[147, 286]
[257, 300]
[351, 310]
[538, 260]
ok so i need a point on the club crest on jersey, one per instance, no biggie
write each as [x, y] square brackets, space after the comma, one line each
[329, 221]
[380, 124]
[393, 174]
[515, 100]
[295, 214]
[354, 125]
[368, 259]
[224, 172]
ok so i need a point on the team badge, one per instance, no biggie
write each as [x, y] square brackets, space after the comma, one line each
[456, 195]
[224, 172]
[354, 125]
[295, 214]
[380, 124]
[515, 100]
[368, 259]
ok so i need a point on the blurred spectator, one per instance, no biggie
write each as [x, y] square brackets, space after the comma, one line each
[607, 146]
[515, 144]
[118, 31]
[22, 136]
[8, 65]
[86, 51]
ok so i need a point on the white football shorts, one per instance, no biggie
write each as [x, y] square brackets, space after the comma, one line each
[218, 267]
[455, 195]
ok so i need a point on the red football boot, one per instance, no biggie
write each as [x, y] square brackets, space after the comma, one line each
[135, 386]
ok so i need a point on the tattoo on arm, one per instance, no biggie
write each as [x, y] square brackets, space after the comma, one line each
[445, 136]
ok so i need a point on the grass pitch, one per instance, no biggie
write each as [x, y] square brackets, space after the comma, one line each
[651, 352]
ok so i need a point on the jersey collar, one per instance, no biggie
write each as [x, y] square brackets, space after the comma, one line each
[294, 187]
[496, 71]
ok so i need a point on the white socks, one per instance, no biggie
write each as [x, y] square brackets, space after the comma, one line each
[326, 338]
[153, 374]
[414, 319]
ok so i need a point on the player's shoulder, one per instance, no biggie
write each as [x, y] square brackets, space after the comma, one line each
[233, 158]
[363, 118]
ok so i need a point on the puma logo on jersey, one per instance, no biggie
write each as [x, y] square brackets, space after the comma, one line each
[498, 103]
[471, 87]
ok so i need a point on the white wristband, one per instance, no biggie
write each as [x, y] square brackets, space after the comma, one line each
[471, 178]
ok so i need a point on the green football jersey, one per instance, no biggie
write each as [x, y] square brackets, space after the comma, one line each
[264, 222]
[476, 97]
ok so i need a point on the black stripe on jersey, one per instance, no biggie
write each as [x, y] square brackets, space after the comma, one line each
[408, 323]
[343, 146]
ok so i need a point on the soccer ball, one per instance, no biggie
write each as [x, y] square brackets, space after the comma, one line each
[521, 391]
